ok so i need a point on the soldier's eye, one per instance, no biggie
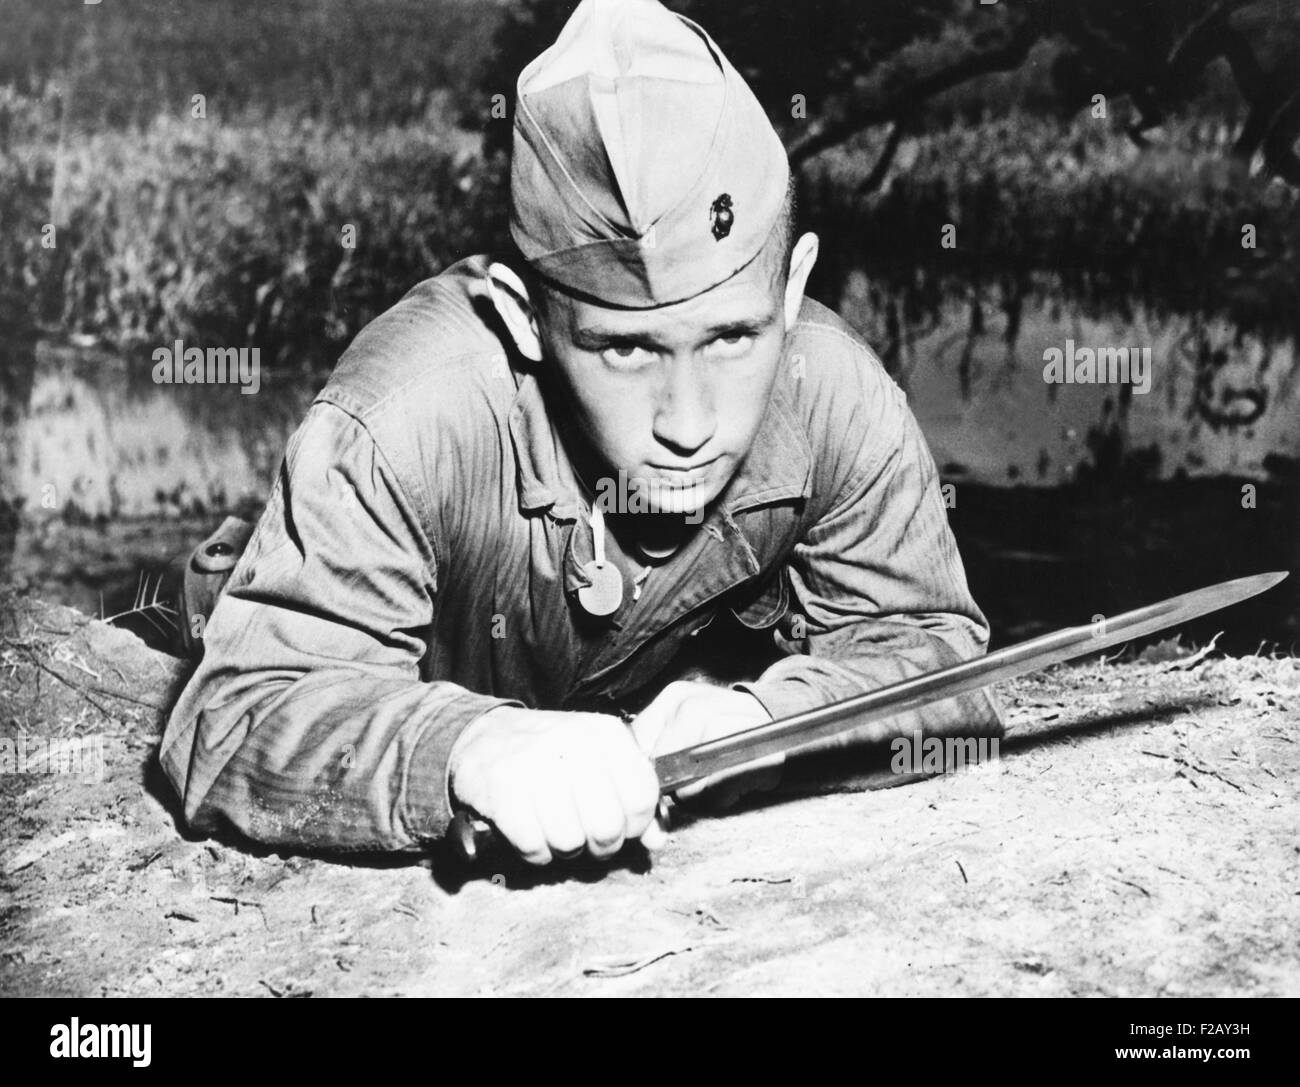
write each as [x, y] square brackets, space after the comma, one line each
[625, 355]
[732, 345]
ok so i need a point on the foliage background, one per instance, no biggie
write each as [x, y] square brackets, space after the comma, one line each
[378, 114]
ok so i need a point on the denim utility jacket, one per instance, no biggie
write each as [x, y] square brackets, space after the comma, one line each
[417, 561]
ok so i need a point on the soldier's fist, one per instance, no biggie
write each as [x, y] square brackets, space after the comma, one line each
[557, 783]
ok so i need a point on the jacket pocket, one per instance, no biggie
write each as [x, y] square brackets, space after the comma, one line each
[763, 606]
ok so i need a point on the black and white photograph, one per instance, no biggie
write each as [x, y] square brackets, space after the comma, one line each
[622, 498]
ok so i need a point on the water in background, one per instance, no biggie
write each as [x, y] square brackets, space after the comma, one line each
[108, 474]
[1066, 501]
[1220, 403]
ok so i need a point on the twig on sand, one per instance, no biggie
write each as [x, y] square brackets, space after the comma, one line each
[1188, 663]
[287, 992]
[140, 866]
[146, 605]
[1135, 886]
[107, 692]
[704, 915]
[614, 966]
[1209, 772]
[230, 900]
[64, 679]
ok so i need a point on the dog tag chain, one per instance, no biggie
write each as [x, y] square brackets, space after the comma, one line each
[604, 594]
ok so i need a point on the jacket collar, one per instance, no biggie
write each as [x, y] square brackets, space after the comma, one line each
[720, 557]
[779, 464]
[545, 476]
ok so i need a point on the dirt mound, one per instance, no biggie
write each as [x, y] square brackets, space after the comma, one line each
[1137, 835]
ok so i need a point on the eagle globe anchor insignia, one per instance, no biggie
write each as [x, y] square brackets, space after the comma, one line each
[723, 215]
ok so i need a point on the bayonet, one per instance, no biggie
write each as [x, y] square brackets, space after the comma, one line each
[871, 716]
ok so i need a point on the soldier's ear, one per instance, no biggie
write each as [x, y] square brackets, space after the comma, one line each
[511, 301]
[802, 258]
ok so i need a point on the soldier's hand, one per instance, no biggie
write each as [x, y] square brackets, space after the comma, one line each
[686, 713]
[555, 783]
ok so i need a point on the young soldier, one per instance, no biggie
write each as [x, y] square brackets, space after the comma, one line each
[531, 481]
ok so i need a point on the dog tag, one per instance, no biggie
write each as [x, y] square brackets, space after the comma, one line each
[605, 593]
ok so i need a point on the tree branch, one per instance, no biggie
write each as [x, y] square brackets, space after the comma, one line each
[856, 118]
[874, 179]
[1279, 143]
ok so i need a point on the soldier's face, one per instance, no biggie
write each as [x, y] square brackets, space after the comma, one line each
[673, 396]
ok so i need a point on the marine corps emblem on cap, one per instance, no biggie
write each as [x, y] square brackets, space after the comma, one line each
[722, 215]
[626, 129]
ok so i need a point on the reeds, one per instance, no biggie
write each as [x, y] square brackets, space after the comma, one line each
[281, 234]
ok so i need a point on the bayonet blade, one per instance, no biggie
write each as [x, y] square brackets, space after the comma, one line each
[792, 734]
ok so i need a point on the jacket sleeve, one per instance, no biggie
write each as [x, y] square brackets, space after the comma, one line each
[307, 723]
[879, 591]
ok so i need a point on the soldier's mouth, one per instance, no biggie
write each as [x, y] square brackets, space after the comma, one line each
[683, 478]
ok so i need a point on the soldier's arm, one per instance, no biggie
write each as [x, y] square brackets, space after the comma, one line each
[879, 592]
[307, 722]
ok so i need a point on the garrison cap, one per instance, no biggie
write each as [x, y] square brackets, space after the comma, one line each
[644, 171]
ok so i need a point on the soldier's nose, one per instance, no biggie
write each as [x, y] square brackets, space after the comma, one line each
[685, 418]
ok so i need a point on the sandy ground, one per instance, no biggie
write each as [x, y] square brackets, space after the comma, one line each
[1138, 835]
